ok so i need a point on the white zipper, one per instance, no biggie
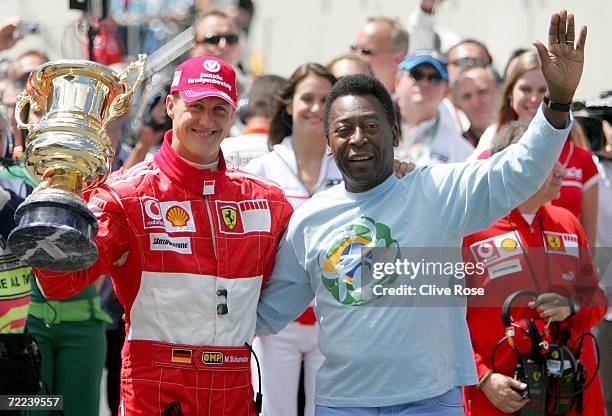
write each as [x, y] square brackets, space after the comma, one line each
[212, 226]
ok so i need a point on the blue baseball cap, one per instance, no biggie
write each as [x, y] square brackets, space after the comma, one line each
[425, 56]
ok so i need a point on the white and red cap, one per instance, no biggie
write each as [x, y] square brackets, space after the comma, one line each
[205, 76]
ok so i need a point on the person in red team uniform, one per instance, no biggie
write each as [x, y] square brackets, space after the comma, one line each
[522, 94]
[561, 271]
[188, 243]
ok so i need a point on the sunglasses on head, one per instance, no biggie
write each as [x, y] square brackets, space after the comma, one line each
[230, 39]
[433, 79]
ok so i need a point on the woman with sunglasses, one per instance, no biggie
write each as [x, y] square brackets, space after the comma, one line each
[523, 93]
[429, 132]
[299, 163]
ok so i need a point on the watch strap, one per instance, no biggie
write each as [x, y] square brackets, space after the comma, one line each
[553, 105]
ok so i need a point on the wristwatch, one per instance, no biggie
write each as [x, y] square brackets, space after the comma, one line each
[574, 306]
[553, 105]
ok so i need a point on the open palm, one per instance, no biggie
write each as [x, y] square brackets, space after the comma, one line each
[563, 60]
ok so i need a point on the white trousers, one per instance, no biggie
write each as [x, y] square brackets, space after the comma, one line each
[280, 357]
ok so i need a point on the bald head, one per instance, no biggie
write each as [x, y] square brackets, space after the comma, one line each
[384, 43]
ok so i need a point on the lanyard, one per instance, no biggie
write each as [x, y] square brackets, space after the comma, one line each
[418, 148]
[532, 272]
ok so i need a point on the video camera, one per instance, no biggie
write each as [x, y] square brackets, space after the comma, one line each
[7, 141]
[590, 114]
[92, 9]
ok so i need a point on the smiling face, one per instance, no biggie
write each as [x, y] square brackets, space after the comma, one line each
[307, 106]
[475, 94]
[422, 96]
[527, 94]
[198, 127]
[362, 141]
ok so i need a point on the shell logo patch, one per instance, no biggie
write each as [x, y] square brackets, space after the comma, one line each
[509, 244]
[497, 248]
[229, 216]
[177, 216]
[171, 216]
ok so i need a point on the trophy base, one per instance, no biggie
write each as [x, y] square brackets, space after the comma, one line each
[55, 232]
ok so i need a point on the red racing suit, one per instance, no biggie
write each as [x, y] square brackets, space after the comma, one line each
[560, 263]
[188, 251]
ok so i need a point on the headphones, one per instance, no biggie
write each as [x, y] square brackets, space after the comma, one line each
[529, 337]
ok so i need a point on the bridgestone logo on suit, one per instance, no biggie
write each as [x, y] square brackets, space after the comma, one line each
[163, 242]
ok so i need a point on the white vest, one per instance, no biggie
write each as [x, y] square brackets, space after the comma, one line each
[280, 166]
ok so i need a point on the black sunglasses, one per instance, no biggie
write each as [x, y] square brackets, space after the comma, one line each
[433, 79]
[470, 62]
[362, 51]
[230, 39]
[367, 51]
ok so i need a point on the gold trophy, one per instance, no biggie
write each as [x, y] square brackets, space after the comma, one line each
[69, 146]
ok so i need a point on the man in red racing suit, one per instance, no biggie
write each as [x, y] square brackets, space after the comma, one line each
[188, 243]
[541, 248]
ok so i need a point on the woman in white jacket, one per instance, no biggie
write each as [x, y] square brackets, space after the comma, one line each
[300, 163]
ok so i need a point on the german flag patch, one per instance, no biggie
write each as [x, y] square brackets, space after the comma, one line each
[181, 356]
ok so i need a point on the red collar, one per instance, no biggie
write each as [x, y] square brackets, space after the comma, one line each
[515, 217]
[255, 130]
[183, 174]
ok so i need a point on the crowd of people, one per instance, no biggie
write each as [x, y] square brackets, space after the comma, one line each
[245, 214]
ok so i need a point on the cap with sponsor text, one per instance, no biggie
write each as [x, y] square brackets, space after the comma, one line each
[205, 76]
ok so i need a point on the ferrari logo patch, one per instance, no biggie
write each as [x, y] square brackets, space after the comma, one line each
[553, 242]
[242, 217]
[228, 214]
[561, 243]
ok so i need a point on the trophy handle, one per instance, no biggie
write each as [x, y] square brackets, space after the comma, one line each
[121, 103]
[23, 99]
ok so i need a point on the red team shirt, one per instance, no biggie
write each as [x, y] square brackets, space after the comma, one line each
[561, 265]
[580, 175]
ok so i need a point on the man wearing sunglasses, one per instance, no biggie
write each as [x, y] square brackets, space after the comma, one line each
[218, 35]
[429, 132]
[384, 43]
[468, 52]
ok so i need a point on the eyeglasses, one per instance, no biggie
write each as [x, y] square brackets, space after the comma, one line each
[433, 79]
[365, 51]
[230, 39]
[467, 61]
